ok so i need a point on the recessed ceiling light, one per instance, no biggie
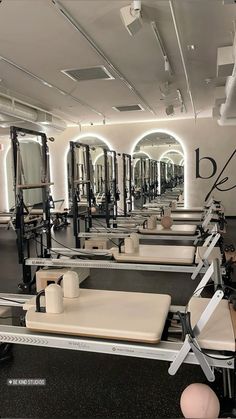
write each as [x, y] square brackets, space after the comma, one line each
[191, 47]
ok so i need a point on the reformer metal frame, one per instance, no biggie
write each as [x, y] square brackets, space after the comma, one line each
[175, 352]
[127, 183]
[147, 180]
[190, 342]
[201, 267]
[139, 182]
[119, 234]
[44, 228]
[111, 187]
[85, 184]
[153, 179]
[163, 183]
[78, 181]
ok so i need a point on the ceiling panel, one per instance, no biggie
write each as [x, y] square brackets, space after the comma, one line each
[35, 36]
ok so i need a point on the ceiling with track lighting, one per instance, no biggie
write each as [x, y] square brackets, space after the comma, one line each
[76, 61]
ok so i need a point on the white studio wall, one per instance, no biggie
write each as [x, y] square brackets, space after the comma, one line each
[207, 147]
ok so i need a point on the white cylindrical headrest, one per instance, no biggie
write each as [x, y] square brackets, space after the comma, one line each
[54, 299]
[135, 238]
[129, 245]
[70, 284]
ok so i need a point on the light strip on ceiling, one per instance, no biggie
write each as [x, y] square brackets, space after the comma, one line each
[98, 50]
[182, 58]
[162, 48]
[50, 85]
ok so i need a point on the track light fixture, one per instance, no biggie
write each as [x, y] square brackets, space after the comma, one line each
[131, 17]
[156, 32]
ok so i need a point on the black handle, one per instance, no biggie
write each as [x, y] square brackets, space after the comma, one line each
[59, 280]
[38, 307]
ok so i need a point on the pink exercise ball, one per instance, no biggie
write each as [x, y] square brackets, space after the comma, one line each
[166, 222]
[199, 401]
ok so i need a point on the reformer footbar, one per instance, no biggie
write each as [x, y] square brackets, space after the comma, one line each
[191, 343]
[190, 351]
[191, 334]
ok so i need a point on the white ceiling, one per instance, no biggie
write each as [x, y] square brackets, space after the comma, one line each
[36, 37]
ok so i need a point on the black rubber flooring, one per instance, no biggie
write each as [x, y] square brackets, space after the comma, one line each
[89, 385]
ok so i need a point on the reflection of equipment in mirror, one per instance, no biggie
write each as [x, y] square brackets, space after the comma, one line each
[94, 190]
[127, 184]
[81, 186]
[145, 175]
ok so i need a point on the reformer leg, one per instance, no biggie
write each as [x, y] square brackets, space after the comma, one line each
[191, 343]
[205, 256]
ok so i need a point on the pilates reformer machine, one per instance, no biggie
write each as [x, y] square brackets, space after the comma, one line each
[213, 213]
[29, 226]
[160, 231]
[145, 179]
[156, 232]
[134, 324]
[81, 177]
[153, 179]
[127, 184]
[193, 260]
[7, 220]
[92, 188]
[58, 214]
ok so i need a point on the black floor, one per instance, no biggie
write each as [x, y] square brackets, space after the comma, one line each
[87, 385]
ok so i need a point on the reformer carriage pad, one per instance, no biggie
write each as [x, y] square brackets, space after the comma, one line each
[176, 229]
[218, 333]
[118, 315]
[174, 255]
[215, 254]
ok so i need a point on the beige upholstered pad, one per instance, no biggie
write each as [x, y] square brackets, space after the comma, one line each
[178, 230]
[107, 314]
[53, 211]
[175, 255]
[126, 225]
[215, 254]
[186, 209]
[184, 216]
[218, 334]
[178, 209]
[5, 220]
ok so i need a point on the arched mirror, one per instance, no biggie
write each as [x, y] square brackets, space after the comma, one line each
[97, 165]
[31, 170]
[167, 152]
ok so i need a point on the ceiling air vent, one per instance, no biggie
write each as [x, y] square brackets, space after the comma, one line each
[128, 108]
[90, 73]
